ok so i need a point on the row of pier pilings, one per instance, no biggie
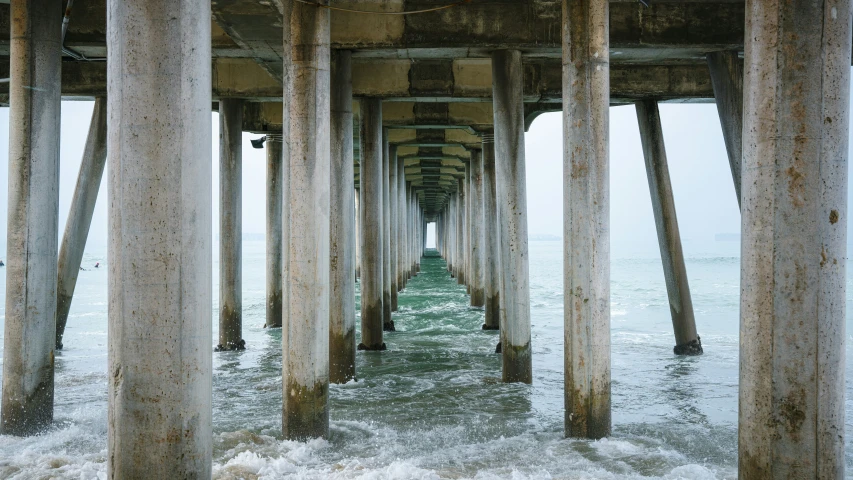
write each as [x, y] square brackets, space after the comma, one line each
[789, 160]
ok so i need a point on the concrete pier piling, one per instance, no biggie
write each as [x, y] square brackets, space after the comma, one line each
[370, 224]
[414, 261]
[403, 231]
[305, 318]
[477, 292]
[393, 219]
[275, 191]
[80, 214]
[230, 225]
[342, 224]
[463, 230]
[459, 263]
[586, 214]
[491, 245]
[687, 341]
[357, 235]
[512, 210]
[727, 80]
[33, 221]
[160, 228]
[454, 234]
[794, 239]
[387, 321]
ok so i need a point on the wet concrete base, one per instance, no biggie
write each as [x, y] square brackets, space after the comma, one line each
[230, 347]
[693, 347]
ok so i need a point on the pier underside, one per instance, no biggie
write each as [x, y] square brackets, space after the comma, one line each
[414, 112]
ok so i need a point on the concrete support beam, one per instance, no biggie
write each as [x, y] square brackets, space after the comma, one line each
[477, 221]
[794, 244]
[398, 80]
[387, 322]
[305, 315]
[275, 191]
[342, 225]
[32, 225]
[672, 257]
[80, 214]
[393, 220]
[727, 79]
[512, 210]
[230, 226]
[370, 225]
[491, 236]
[160, 256]
[586, 218]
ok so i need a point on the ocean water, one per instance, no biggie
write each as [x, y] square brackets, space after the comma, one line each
[433, 406]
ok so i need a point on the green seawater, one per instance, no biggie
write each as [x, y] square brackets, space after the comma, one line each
[432, 405]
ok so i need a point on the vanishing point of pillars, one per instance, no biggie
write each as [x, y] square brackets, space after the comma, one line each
[305, 310]
[159, 374]
[33, 222]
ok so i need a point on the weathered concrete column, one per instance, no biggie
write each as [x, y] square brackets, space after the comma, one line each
[451, 208]
[687, 341]
[230, 225]
[357, 234]
[393, 222]
[32, 225]
[416, 259]
[402, 231]
[160, 255]
[80, 214]
[478, 298]
[794, 239]
[460, 232]
[370, 224]
[305, 316]
[275, 190]
[469, 228]
[727, 80]
[586, 217]
[387, 322]
[413, 269]
[512, 210]
[455, 233]
[342, 225]
[491, 246]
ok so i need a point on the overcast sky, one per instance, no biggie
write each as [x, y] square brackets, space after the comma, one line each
[699, 170]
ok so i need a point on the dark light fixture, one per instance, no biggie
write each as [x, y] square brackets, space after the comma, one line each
[259, 142]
